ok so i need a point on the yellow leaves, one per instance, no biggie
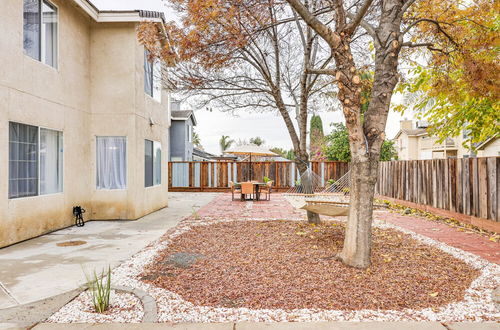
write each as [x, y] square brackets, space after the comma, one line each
[494, 238]
[300, 233]
[434, 294]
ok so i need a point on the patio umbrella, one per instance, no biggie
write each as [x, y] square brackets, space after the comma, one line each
[251, 150]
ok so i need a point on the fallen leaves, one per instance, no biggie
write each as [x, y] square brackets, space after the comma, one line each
[289, 265]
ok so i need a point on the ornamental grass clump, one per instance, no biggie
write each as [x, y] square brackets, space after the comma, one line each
[99, 287]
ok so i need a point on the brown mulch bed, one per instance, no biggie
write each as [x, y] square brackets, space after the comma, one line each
[290, 265]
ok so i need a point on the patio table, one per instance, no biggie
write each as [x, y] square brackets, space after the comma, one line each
[256, 187]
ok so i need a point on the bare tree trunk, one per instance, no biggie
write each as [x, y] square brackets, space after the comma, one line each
[302, 162]
[357, 244]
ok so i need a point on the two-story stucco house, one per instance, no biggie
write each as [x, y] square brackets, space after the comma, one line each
[414, 142]
[84, 120]
[181, 133]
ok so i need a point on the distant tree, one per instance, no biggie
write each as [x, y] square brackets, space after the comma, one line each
[225, 143]
[197, 141]
[258, 141]
[338, 149]
[388, 151]
[316, 138]
[288, 154]
[316, 126]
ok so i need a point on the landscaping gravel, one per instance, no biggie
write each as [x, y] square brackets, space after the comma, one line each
[475, 305]
[124, 308]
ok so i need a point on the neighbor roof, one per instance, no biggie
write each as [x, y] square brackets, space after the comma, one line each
[202, 153]
[119, 15]
[412, 132]
[183, 115]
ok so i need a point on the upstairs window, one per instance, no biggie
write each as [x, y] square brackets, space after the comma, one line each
[190, 133]
[152, 76]
[40, 31]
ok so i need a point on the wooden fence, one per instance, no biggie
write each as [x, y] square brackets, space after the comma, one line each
[467, 186]
[215, 176]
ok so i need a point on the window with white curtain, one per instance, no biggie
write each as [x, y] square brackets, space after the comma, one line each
[156, 163]
[152, 76]
[40, 31]
[35, 161]
[152, 163]
[51, 161]
[190, 133]
[148, 163]
[111, 162]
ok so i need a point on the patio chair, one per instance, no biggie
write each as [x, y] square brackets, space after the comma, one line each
[267, 190]
[247, 189]
[234, 189]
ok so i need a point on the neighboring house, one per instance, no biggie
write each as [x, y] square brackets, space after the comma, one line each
[413, 142]
[83, 119]
[201, 155]
[181, 134]
[490, 147]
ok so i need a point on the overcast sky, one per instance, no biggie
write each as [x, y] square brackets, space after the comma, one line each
[212, 125]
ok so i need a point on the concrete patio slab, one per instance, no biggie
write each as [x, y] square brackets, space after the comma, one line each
[278, 326]
[473, 326]
[342, 326]
[38, 268]
[144, 326]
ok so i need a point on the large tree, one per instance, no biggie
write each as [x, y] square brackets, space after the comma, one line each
[456, 87]
[391, 25]
[254, 55]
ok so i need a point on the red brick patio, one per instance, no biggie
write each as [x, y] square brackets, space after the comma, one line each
[278, 208]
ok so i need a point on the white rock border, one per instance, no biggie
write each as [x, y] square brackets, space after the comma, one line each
[477, 305]
[124, 308]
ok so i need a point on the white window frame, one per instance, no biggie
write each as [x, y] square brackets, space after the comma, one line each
[126, 163]
[38, 173]
[190, 133]
[155, 78]
[42, 35]
[154, 144]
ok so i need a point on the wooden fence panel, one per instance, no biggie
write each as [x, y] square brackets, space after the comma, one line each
[468, 186]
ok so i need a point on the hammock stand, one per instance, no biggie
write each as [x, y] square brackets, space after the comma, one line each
[308, 194]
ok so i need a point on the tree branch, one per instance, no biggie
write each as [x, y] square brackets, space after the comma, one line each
[331, 37]
[356, 20]
[331, 72]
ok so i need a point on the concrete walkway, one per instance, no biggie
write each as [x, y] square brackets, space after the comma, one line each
[282, 326]
[38, 269]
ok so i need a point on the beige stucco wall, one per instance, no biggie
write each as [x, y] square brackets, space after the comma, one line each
[96, 90]
[492, 149]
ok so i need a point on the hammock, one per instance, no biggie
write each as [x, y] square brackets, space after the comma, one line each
[308, 194]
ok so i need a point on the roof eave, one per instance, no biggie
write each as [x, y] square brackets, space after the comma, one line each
[114, 16]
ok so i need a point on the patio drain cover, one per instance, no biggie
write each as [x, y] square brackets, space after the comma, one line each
[183, 259]
[71, 243]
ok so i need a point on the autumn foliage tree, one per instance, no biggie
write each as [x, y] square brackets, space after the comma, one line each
[392, 25]
[455, 84]
[240, 54]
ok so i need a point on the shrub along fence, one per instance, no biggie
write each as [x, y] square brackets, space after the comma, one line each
[215, 176]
